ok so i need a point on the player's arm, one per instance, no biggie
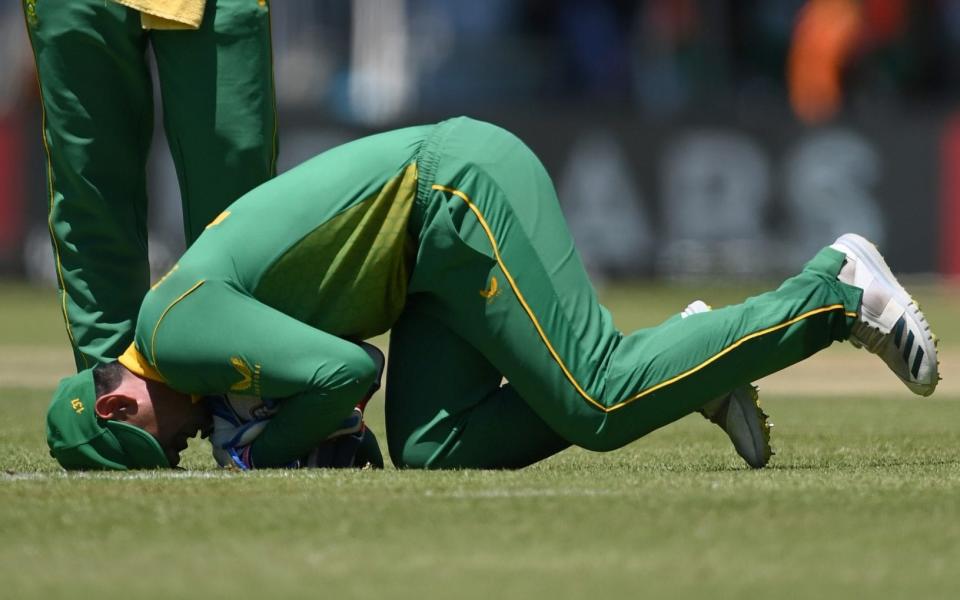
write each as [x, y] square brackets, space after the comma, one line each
[240, 419]
[206, 338]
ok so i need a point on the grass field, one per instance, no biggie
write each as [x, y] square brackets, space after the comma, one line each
[862, 499]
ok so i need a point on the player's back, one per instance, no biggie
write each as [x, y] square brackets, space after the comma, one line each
[325, 242]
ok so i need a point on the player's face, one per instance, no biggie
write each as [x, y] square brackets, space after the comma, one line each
[171, 417]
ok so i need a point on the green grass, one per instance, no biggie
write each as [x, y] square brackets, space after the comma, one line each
[862, 500]
[31, 316]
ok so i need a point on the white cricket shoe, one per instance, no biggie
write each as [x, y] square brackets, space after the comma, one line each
[739, 414]
[890, 323]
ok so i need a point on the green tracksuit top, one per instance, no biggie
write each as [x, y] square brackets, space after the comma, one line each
[451, 236]
[318, 249]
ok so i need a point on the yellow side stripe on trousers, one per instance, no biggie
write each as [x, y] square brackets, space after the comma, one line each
[64, 293]
[556, 357]
[273, 91]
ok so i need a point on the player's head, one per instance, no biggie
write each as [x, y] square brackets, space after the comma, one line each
[109, 418]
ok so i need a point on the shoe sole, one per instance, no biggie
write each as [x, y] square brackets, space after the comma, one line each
[866, 252]
[747, 400]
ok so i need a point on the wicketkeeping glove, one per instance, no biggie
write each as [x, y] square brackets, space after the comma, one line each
[232, 434]
[238, 420]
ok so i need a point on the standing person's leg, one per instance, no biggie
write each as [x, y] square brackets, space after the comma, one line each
[219, 107]
[97, 122]
[446, 406]
[500, 269]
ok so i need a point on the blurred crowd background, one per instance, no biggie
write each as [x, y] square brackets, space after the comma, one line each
[687, 138]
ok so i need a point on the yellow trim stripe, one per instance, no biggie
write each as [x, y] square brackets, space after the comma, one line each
[153, 335]
[53, 235]
[733, 346]
[273, 88]
[563, 366]
[164, 278]
[516, 291]
[218, 219]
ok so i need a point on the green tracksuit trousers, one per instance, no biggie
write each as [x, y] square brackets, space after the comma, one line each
[219, 114]
[487, 285]
[499, 291]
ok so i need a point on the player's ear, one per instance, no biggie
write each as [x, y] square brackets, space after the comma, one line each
[115, 406]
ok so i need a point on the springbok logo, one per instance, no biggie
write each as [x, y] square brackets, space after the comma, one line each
[245, 373]
[492, 291]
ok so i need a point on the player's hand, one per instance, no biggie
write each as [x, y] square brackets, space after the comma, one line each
[231, 435]
[238, 420]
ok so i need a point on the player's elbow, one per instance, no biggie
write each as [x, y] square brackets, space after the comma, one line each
[360, 371]
[351, 373]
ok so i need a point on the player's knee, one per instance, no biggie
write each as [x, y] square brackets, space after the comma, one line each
[418, 450]
[417, 459]
[407, 455]
[596, 441]
[408, 460]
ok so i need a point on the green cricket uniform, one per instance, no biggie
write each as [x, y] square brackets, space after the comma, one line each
[219, 114]
[451, 236]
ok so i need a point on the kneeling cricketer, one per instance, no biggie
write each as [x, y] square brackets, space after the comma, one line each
[450, 236]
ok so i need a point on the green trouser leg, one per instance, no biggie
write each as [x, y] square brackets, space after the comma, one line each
[97, 120]
[446, 406]
[496, 265]
[219, 107]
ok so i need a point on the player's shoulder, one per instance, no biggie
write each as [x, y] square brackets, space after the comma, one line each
[173, 286]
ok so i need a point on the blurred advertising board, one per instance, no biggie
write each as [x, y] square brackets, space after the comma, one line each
[736, 196]
[742, 197]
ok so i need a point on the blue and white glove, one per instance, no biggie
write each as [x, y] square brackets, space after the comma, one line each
[237, 421]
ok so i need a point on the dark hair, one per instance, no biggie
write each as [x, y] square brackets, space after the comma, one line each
[107, 377]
